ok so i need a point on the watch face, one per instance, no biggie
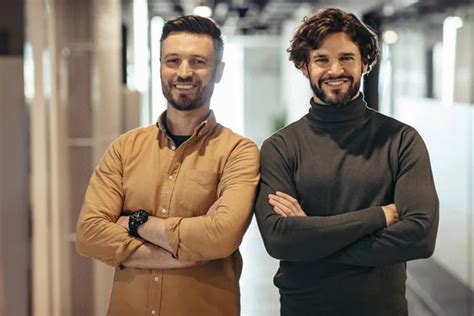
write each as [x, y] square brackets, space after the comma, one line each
[136, 219]
[135, 216]
[139, 216]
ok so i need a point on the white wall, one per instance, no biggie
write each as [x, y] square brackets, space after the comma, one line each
[448, 134]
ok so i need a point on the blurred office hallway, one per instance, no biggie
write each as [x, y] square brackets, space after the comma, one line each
[76, 74]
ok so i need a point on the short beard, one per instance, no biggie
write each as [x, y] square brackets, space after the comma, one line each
[339, 100]
[184, 103]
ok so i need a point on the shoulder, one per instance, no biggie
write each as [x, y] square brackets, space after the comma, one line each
[394, 128]
[139, 134]
[390, 123]
[229, 141]
[405, 138]
[283, 138]
[133, 140]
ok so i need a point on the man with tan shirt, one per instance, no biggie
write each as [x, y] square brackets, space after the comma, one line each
[168, 204]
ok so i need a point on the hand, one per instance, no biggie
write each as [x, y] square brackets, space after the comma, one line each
[285, 205]
[123, 221]
[391, 214]
[149, 256]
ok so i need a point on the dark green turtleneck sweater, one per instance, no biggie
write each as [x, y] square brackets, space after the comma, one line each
[342, 164]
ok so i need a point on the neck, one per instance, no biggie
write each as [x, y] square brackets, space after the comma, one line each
[184, 122]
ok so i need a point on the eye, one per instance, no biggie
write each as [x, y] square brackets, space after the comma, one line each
[172, 62]
[199, 62]
[347, 58]
[321, 60]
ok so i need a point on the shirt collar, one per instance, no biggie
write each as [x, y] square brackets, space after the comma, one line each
[206, 126]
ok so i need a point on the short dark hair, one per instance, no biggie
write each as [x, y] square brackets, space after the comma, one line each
[196, 25]
[314, 30]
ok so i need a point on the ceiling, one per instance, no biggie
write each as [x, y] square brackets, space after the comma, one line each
[250, 16]
[267, 16]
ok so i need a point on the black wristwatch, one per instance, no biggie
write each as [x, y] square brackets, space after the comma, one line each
[136, 219]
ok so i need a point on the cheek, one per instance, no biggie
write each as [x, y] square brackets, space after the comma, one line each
[316, 75]
[205, 77]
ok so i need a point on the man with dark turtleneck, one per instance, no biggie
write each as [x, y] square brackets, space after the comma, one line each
[346, 194]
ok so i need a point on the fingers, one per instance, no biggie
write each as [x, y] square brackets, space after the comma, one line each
[294, 202]
[286, 204]
[283, 206]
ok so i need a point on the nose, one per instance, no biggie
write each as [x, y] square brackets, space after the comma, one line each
[184, 70]
[336, 68]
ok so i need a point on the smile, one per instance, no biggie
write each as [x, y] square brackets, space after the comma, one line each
[184, 86]
[336, 82]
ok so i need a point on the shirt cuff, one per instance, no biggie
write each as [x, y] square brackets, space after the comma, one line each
[172, 234]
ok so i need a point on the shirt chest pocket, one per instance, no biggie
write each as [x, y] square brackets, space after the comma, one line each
[196, 192]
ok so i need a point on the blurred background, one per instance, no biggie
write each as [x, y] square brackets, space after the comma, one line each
[76, 74]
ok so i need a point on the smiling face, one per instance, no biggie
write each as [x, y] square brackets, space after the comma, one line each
[188, 70]
[335, 70]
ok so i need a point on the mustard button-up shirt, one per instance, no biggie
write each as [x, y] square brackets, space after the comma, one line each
[142, 169]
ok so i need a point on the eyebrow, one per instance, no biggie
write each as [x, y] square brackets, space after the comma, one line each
[178, 55]
[326, 55]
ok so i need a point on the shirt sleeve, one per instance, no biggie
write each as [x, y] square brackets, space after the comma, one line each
[303, 238]
[217, 236]
[97, 234]
[413, 237]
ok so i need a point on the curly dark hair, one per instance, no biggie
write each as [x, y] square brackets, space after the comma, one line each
[314, 30]
[196, 25]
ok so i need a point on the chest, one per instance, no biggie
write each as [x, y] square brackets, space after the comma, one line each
[172, 183]
[333, 174]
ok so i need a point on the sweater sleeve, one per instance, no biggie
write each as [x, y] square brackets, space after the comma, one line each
[413, 237]
[303, 238]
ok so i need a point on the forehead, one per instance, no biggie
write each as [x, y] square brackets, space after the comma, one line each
[337, 43]
[188, 44]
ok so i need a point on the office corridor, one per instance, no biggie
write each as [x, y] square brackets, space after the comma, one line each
[74, 75]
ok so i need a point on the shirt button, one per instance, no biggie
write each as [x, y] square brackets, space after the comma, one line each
[170, 177]
[153, 312]
[156, 279]
[164, 211]
[173, 147]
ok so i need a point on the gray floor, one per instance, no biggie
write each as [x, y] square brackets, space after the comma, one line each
[425, 279]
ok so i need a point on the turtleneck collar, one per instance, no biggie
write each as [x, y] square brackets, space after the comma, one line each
[352, 114]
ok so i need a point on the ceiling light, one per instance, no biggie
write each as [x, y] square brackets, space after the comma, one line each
[203, 10]
[389, 37]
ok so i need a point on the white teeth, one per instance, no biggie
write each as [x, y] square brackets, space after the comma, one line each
[184, 86]
[335, 82]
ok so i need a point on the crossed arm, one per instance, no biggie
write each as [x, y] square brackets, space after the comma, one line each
[355, 237]
[174, 242]
[155, 253]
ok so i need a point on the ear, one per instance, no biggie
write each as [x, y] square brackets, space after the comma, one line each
[365, 68]
[219, 71]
